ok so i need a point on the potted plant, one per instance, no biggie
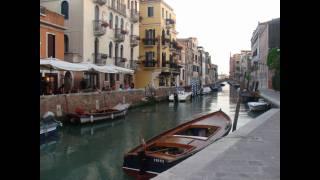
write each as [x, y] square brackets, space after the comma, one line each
[105, 24]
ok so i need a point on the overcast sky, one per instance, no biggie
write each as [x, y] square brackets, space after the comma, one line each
[222, 26]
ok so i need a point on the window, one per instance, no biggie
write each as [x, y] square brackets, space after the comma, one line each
[121, 51]
[66, 43]
[128, 4]
[96, 13]
[121, 23]
[118, 77]
[110, 50]
[111, 20]
[166, 14]
[135, 6]
[65, 9]
[169, 16]
[116, 23]
[131, 54]
[51, 45]
[162, 13]
[150, 11]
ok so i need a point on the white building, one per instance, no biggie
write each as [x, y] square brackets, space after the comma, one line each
[101, 32]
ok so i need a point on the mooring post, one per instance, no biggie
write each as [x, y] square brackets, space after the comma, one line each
[235, 121]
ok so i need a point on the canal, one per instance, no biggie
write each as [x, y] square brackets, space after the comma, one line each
[95, 151]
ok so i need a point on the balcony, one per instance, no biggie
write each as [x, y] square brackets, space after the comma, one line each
[134, 40]
[149, 42]
[150, 63]
[170, 23]
[119, 36]
[134, 16]
[100, 2]
[100, 58]
[99, 27]
[166, 41]
[121, 9]
[133, 65]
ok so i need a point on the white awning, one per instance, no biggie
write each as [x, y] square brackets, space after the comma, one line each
[121, 69]
[57, 64]
[102, 69]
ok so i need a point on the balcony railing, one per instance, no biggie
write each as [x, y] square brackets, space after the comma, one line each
[100, 58]
[170, 23]
[134, 16]
[133, 65]
[150, 63]
[99, 27]
[121, 9]
[134, 40]
[100, 2]
[149, 42]
[166, 41]
[119, 36]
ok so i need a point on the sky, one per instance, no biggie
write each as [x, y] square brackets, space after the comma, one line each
[222, 26]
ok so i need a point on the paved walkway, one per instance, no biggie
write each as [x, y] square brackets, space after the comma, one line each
[271, 95]
[251, 152]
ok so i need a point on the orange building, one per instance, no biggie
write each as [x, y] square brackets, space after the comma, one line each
[51, 45]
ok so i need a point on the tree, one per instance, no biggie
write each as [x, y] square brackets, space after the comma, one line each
[273, 63]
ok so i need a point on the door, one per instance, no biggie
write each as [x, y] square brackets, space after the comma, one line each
[51, 46]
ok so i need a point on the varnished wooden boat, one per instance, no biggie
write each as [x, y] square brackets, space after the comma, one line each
[119, 110]
[173, 146]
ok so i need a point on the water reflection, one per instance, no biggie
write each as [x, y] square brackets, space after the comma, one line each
[95, 151]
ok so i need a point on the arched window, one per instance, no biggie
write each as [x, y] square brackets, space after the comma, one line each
[128, 4]
[121, 51]
[111, 20]
[132, 7]
[135, 6]
[118, 4]
[121, 25]
[96, 13]
[110, 50]
[116, 23]
[112, 3]
[116, 51]
[65, 9]
[66, 43]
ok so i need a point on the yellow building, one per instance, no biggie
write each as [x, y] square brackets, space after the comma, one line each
[159, 58]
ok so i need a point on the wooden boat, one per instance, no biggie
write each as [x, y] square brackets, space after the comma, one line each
[117, 111]
[48, 126]
[173, 146]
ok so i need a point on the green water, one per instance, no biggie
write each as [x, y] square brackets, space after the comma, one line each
[95, 151]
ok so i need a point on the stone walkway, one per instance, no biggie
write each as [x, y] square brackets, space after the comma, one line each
[251, 152]
[271, 95]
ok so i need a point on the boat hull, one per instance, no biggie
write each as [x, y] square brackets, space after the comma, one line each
[258, 107]
[152, 163]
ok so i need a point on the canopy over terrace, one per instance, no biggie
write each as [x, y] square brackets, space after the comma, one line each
[53, 63]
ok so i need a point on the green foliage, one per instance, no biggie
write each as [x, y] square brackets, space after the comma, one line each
[273, 61]
[276, 81]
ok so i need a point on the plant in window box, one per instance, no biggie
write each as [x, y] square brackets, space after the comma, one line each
[137, 37]
[105, 24]
[123, 59]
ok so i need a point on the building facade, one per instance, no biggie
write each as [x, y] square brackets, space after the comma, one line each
[265, 37]
[51, 46]
[101, 32]
[159, 59]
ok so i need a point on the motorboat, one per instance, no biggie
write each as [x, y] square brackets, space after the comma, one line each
[182, 96]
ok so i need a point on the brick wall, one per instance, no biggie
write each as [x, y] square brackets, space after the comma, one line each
[87, 101]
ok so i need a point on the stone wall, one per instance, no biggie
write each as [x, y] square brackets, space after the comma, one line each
[87, 101]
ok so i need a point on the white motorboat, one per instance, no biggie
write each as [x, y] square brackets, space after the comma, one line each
[258, 106]
[182, 96]
[206, 90]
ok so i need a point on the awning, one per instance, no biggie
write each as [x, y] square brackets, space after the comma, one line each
[121, 69]
[57, 64]
[102, 69]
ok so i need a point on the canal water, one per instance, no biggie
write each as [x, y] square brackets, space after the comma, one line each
[95, 151]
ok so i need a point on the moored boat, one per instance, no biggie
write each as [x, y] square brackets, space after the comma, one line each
[206, 90]
[173, 146]
[182, 96]
[80, 116]
[48, 125]
[258, 106]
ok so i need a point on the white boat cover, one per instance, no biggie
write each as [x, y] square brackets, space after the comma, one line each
[121, 69]
[102, 69]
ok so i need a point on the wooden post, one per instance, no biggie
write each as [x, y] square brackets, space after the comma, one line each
[235, 121]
